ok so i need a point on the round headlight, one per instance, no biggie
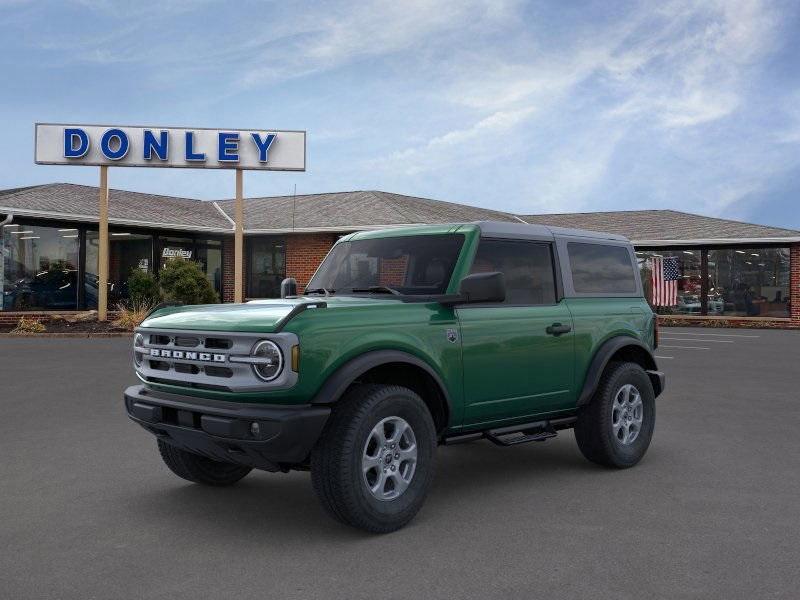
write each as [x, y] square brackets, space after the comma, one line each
[138, 342]
[271, 363]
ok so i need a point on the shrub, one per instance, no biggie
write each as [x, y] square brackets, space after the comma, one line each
[25, 325]
[132, 314]
[143, 288]
[184, 281]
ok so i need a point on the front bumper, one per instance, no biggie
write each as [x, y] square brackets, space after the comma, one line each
[224, 430]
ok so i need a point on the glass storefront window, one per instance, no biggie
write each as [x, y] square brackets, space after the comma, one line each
[209, 255]
[687, 298]
[39, 268]
[175, 247]
[127, 252]
[749, 282]
[266, 267]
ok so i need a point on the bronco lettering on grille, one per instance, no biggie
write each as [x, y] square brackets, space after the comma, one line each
[204, 356]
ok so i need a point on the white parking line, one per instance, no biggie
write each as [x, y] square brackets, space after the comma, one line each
[736, 335]
[687, 347]
[669, 357]
[697, 340]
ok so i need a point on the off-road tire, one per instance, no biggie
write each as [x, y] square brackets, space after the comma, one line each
[199, 469]
[594, 431]
[336, 461]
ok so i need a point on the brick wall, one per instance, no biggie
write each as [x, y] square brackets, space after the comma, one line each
[794, 283]
[304, 252]
[228, 266]
[393, 271]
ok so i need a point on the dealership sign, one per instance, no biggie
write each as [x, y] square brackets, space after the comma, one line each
[193, 148]
[176, 253]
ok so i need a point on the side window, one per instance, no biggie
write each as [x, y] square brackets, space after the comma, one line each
[527, 267]
[601, 269]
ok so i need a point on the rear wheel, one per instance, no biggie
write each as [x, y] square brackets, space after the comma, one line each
[373, 464]
[616, 427]
[199, 469]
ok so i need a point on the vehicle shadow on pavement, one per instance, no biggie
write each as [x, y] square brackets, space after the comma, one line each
[281, 506]
[471, 467]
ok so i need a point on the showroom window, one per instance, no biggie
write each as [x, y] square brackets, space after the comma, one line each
[682, 295]
[39, 267]
[739, 282]
[266, 266]
[209, 255]
[749, 282]
[128, 251]
[206, 252]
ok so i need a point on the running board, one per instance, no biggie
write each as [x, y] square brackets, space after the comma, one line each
[521, 434]
[537, 431]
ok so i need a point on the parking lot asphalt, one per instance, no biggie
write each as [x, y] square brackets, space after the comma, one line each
[87, 509]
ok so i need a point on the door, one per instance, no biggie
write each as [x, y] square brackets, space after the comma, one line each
[518, 355]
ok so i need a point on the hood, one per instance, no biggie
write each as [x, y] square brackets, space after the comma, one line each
[260, 316]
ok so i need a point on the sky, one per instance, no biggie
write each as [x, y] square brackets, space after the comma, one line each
[527, 107]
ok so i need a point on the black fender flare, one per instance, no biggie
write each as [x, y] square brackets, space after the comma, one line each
[340, 380]
[603, 355]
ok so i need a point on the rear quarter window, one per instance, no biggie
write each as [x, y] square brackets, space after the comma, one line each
[601, 269]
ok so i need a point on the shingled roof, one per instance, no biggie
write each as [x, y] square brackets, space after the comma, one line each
[665, 226]
[79, 203]
[351, 211]
[346, 211]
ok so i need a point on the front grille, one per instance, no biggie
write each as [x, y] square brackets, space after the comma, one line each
[218, 371]
[199, 360]
[190, 384]
[186, 368]
[218, 344]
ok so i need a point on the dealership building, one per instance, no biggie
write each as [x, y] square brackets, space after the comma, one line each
[741, 273]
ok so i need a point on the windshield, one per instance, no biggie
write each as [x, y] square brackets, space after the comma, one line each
[408, 265]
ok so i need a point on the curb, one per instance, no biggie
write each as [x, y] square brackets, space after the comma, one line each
[120, 334]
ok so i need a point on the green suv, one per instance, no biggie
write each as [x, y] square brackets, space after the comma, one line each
[406, 339]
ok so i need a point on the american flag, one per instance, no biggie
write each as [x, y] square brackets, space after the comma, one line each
[665, 281]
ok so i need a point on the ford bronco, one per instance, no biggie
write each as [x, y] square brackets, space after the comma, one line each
[403, 340]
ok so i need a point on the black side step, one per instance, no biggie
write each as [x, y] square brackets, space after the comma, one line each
[520, 434]
[537, 431]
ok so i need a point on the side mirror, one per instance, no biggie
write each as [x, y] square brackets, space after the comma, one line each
[483, 287]
[288, 287]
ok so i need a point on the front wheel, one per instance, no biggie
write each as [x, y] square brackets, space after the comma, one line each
[616, 427]
[373, 464]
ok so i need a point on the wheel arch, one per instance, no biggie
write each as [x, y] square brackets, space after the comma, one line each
[391, 367]
[620, 348]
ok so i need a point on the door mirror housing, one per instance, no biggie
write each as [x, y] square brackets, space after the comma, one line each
[288, 287]
[483, 287]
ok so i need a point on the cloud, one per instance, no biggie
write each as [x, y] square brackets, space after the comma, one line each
[327, 39]
[476, 143]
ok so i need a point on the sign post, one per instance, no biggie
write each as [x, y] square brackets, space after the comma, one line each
[103, 253]
[238, 242]
[175, 147]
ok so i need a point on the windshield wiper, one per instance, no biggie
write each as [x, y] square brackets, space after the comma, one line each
[320, 290]
[378, 289]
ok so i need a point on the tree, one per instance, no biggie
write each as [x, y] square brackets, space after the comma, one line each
[184, 281]
[143, 288]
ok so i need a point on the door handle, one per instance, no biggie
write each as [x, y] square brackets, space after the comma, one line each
[557, 329]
